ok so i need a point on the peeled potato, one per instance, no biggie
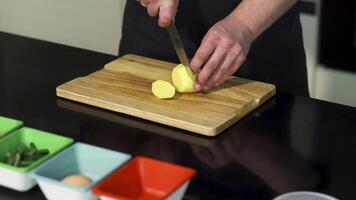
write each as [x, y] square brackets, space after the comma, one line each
[183, 79]
[163, 89]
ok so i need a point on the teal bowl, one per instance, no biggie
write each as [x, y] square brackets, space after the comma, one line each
[93, 162]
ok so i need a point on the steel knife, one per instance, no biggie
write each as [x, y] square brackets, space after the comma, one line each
[178, 45]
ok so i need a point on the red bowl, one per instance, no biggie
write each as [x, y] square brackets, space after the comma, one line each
[144, 179]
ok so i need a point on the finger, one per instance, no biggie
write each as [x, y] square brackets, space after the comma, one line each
[220, 74]
[167, 12]
[211, 65]
[233, 69]
[153, 7]
[203, 53]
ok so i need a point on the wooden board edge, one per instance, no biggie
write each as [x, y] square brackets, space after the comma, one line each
[220, 128]
[134, 122]
[128, 111]
[202, 130]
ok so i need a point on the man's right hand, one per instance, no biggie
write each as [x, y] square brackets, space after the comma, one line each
[165, 10]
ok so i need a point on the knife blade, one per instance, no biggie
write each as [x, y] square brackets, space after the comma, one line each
[177, 44]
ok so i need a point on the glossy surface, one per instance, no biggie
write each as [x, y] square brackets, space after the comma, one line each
[290, 143]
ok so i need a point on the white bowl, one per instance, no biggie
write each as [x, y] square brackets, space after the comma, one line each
[304, 195]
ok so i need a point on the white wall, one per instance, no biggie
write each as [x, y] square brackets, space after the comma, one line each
[324, 83]
[88, 24]
[335, 86]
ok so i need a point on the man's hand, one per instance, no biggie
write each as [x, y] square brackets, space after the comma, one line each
[222, 51]
[166, 10]
[227, 44]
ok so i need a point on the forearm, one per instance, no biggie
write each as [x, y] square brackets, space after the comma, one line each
[258, 15]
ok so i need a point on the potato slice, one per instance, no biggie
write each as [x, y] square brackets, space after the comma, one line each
[163, 89]
[183, 79]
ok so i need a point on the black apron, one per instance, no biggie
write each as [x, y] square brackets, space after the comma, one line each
[277, 56]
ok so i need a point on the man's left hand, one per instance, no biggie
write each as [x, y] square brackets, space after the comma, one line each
[222, 51]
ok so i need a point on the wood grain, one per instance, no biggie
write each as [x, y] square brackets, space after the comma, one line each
[124, 86]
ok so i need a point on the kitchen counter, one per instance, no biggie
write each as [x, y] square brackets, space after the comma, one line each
[290, 143]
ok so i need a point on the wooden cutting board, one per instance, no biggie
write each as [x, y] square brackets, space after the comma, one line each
[124, 86]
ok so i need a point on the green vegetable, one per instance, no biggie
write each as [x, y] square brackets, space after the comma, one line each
[17, 159]
[23, 155]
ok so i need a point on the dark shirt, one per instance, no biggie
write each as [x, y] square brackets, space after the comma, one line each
[277, 56]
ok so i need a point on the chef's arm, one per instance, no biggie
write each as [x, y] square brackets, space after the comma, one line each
[258, 15]
[226, 45]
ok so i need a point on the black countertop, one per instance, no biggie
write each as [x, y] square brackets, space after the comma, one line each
[290, 143]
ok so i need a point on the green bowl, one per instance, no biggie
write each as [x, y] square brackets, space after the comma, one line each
[43, 140]
[8, 125]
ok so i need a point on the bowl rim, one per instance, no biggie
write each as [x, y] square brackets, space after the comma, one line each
[318, 194]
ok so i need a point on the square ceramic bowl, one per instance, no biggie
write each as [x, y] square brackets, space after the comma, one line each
[17, 178]
[145, 178]
[8, 125]
[83, 159]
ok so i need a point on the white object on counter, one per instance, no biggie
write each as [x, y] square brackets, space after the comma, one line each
[304, 195]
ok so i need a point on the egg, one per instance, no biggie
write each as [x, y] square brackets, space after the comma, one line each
[76, 180]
